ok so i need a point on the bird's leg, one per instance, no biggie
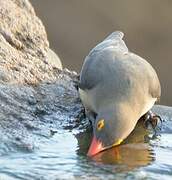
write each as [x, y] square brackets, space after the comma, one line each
[151, 119]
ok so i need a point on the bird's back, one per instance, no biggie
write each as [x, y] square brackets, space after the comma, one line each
[111, 72]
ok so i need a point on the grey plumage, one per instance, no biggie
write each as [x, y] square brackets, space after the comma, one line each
[118, 86]
[113, 40]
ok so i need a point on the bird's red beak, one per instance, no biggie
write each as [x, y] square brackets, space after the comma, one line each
[95, 147]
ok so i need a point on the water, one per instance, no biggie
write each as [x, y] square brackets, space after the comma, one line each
[62, 156]
[54, 157]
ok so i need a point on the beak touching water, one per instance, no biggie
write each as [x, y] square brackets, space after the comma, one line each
[95, 147]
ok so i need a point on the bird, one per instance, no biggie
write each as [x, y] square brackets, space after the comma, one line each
[117, 88]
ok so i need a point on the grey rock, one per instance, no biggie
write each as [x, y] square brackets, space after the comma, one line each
[53, 59]
[28, 112]
[36, 95]
[24, 47]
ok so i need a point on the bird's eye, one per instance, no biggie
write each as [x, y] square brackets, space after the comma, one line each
[100, 124]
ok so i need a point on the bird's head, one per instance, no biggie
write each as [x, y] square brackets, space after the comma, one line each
[109, 130]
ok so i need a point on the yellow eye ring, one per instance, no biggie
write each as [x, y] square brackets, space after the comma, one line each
[100, 124]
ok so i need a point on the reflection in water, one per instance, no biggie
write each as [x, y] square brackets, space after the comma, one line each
[129, 156]
[133, 153]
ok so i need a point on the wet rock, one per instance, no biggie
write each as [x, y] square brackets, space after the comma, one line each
[28, 112]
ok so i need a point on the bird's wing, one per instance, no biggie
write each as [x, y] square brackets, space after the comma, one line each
[146, 73]
[91, 70]
[88, 77]
[155, 87]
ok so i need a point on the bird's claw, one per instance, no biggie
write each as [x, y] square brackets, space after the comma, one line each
[152, 120]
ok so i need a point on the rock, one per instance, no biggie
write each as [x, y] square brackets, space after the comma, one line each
[36, 95]
[25, 56]
[27, 112]
[53, 59]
